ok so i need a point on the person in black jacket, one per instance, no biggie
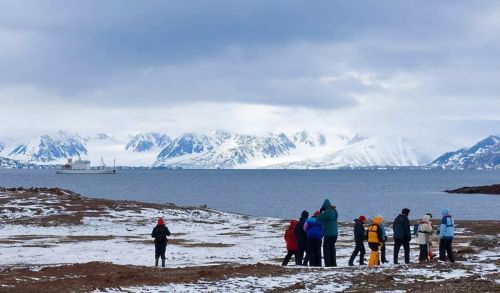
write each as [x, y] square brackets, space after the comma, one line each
[301, 236]
[402, 235]
[160, 233]
[359, 239]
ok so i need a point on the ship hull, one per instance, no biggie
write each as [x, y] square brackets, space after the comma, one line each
[97, 171]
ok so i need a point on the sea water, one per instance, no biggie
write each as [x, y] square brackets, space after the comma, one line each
[284, 193]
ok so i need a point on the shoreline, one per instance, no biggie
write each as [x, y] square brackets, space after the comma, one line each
[48, 234]
[62, 191]
[284, 192]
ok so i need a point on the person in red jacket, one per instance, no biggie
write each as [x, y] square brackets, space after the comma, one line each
[292, 246]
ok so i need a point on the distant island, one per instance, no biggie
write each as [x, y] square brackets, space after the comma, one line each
[486, 189]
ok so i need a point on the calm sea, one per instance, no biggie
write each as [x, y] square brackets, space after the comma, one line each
[284, 193]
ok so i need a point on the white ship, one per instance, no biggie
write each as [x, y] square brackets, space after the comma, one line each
[83, 167]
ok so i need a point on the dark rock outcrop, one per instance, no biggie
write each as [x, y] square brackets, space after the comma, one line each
[487, 189]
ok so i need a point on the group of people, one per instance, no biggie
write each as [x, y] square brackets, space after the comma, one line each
[305, 237]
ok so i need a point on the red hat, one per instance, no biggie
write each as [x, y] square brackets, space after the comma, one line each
[361, 218]
[316, 213]
[161, 221]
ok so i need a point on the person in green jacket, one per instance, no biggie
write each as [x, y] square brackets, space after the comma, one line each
[328, 218]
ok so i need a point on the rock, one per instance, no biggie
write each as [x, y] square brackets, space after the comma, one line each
[487, 189]
[484, 241]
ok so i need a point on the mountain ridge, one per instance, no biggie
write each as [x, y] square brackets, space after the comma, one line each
[484, 154]
[229, 150]
[362, 152]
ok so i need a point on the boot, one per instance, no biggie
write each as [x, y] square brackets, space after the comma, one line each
[156, 262]
[162, 262]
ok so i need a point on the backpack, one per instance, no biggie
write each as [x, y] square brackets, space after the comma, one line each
[161, 233]
[372, 234]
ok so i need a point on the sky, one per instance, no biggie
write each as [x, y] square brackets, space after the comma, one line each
[427, 70]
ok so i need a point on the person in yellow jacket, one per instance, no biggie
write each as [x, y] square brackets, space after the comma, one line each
[375, 237]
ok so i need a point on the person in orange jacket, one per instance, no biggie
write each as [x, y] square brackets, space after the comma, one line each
[292, 246]
[375, 237]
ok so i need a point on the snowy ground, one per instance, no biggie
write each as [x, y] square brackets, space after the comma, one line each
[122, 236]
[46, 228]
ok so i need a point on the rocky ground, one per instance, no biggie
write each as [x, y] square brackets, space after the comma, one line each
[54, 240]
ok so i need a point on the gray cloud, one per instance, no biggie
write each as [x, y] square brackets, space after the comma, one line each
[74, 45]
[355, 60]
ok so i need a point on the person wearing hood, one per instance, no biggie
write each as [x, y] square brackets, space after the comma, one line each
[447, 231]
[160, 233]
[402, 235]
[359, 240]
[301, 236]
[375, 239]
[291, 244]
[328, 218]
[314, 231]
[424, 237]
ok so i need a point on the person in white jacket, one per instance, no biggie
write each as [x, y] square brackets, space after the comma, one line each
[424, 235]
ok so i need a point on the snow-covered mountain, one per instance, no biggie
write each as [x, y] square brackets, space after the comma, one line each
[6, 163]
[219, 149]
[148, 141]
[189, 144]
[47, 148]
[222, 149]
[137, 150]
[483, 155]
[308, 138]
[363, 152]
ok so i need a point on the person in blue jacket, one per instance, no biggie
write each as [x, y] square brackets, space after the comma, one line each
[446, 233]
[384, 240]
[314, 231]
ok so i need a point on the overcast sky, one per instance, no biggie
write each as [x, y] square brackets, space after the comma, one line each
[429, 70]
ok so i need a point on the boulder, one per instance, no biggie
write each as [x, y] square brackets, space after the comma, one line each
[486, 189]
[484, 241]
